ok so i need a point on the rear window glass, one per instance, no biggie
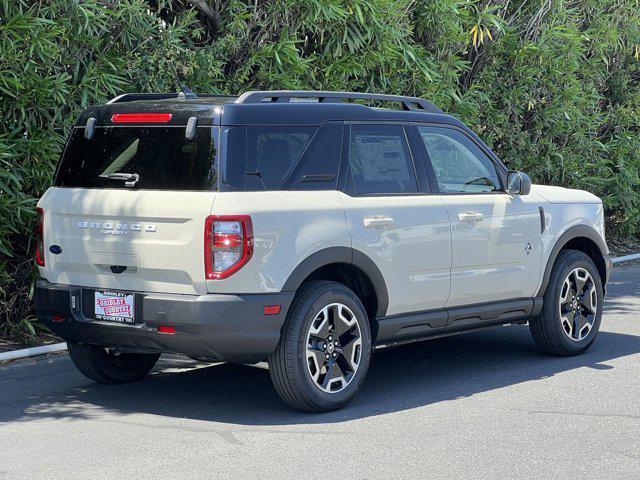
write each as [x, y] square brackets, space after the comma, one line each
[161, 157]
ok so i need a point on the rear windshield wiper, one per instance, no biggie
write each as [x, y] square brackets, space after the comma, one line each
[129, 179]
[258, 174]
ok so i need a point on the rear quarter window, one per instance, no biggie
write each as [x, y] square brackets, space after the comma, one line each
[262, 157]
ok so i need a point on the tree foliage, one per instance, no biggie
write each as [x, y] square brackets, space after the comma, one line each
[552, 85]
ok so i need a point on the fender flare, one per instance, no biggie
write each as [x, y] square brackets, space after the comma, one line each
[571, 233]
[347, 255]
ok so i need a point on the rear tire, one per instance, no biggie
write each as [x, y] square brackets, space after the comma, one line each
[572, 306]
[105, 366]
[325, 348]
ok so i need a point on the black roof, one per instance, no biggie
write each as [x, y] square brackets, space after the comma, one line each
[225, 110]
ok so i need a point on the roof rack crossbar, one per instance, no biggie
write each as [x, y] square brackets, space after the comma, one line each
[132, 97]
[408, 103]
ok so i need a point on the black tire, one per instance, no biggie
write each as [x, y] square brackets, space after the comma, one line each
[103, 366]
[547, 328]
[289, 366]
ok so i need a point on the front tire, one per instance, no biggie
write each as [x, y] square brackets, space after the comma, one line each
[572, 306]
[103, 365]
[325, 348]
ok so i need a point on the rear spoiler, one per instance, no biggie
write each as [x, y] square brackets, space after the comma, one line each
[190, 131]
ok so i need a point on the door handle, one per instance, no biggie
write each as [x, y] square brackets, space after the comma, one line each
[470, 217]
[378, 221]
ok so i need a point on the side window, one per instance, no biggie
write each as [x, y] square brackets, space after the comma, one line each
[379, 160]
[458, 163]
[261, 157]
[273, 151]
[318, 167]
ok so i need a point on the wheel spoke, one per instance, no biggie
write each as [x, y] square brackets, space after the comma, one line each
[351, 352]
[347, 368]
[567, 323]
[565, 293]
[321, 324]
[577, 325]
[580, 279]
[585, 288]
[344, 321]
[333, 374]
[588, 299]
[315, 361]
[585, 328]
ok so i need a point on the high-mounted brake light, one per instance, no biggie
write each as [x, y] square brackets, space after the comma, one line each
[141, 117]
[38, 231]
[228, 244]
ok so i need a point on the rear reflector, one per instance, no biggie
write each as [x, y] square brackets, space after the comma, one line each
[38, 231]
[166, 329]
[58, 318]
[141, 117]
[271, 309]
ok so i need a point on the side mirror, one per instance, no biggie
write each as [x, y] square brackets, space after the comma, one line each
[518, 183]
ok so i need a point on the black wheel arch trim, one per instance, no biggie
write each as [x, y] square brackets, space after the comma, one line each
[347, 255]
[576, 231]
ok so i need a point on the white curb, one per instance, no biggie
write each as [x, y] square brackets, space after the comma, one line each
[626, 258]
[32, 352]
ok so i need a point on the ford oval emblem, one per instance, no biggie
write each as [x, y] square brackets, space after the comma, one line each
[55, 249]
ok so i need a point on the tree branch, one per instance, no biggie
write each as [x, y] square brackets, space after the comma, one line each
[212, 16]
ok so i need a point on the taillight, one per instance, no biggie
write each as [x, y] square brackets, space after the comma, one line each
[228, 244]
[38, 231]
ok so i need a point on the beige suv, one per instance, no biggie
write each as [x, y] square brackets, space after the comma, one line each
[304, 229]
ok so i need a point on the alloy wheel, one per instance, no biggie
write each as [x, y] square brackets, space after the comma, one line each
[334, 348]
[578, 304]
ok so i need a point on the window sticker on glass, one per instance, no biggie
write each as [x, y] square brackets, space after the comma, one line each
[381, 157]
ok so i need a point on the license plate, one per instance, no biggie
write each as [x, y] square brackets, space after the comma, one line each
[115, 307]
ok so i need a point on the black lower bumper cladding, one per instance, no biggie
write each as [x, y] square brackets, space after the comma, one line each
[232, 328]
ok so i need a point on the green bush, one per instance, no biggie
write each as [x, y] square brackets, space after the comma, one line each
[552, 86]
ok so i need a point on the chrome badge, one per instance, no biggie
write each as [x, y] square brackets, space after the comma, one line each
[117, 228]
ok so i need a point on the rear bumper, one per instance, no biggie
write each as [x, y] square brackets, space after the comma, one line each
[225, 327]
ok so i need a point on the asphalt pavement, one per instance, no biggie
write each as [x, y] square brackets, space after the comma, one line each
[481, 405]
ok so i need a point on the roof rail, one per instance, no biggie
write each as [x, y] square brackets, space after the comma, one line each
[132, 97]
[408, 103]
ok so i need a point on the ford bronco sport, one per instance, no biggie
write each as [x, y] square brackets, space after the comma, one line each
[304, 229]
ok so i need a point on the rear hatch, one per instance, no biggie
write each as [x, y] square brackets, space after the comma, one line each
[130, 199]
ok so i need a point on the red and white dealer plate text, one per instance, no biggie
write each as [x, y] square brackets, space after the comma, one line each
[115, 307]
